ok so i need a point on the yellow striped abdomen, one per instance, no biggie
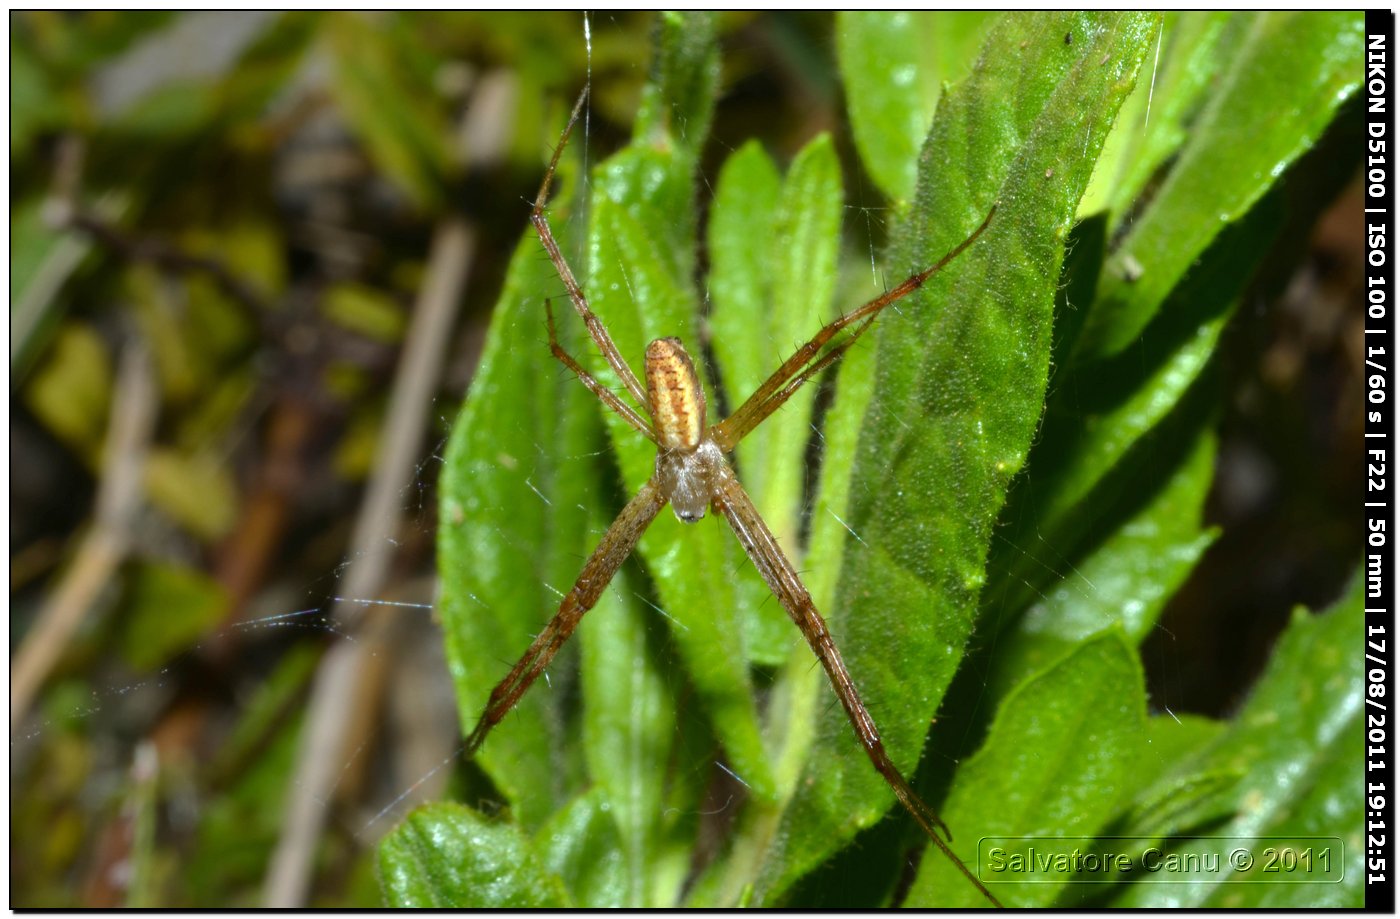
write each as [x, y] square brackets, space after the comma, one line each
[677, 400]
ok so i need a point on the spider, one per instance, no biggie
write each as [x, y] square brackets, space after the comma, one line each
[692, 474]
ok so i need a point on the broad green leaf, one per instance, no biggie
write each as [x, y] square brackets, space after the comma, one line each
[1290, 73]
[1295, 747]
[802, 255]
[1161, 808]
[772, 273]
[895, 66]
[1059, 761]
[1171, 739]
[678, 100]
[1105, 415]
[513, 537]
[741, 282]
[1126, 580]
[628, 731]
[1324, 813]
[961, 379]
[1109, 420]
[447, 856]
[1189, 50]
[580, 845]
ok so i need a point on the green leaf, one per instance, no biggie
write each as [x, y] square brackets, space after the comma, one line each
[513, 535]
[895, 67]
[1295, 747]
[772, 275]
[1107, 417]
[1286, 79]
[1170, 740]
[581, 845]
[1126, 580]
[961, 380]
[445, 856]
[802, 255]
[1190, 50]
[678, 100]
[1059, 761]
[628, 733]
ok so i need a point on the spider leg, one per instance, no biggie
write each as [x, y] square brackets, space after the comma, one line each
[734, 504]
[830, 357]
[617, 543]
[608, 397]
[541, 224]
[761, 404]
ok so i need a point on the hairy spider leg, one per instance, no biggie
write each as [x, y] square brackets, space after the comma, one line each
[541, 224]
[608, 397]
[761, 404]
[617, 544]
[734, 504]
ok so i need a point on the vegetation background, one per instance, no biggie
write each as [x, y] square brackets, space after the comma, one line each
[228, 230]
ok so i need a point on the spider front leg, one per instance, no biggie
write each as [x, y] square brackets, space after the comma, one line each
[540, 222]
[809, 360]
[734, 504]
[607, 396]
[617, 543]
